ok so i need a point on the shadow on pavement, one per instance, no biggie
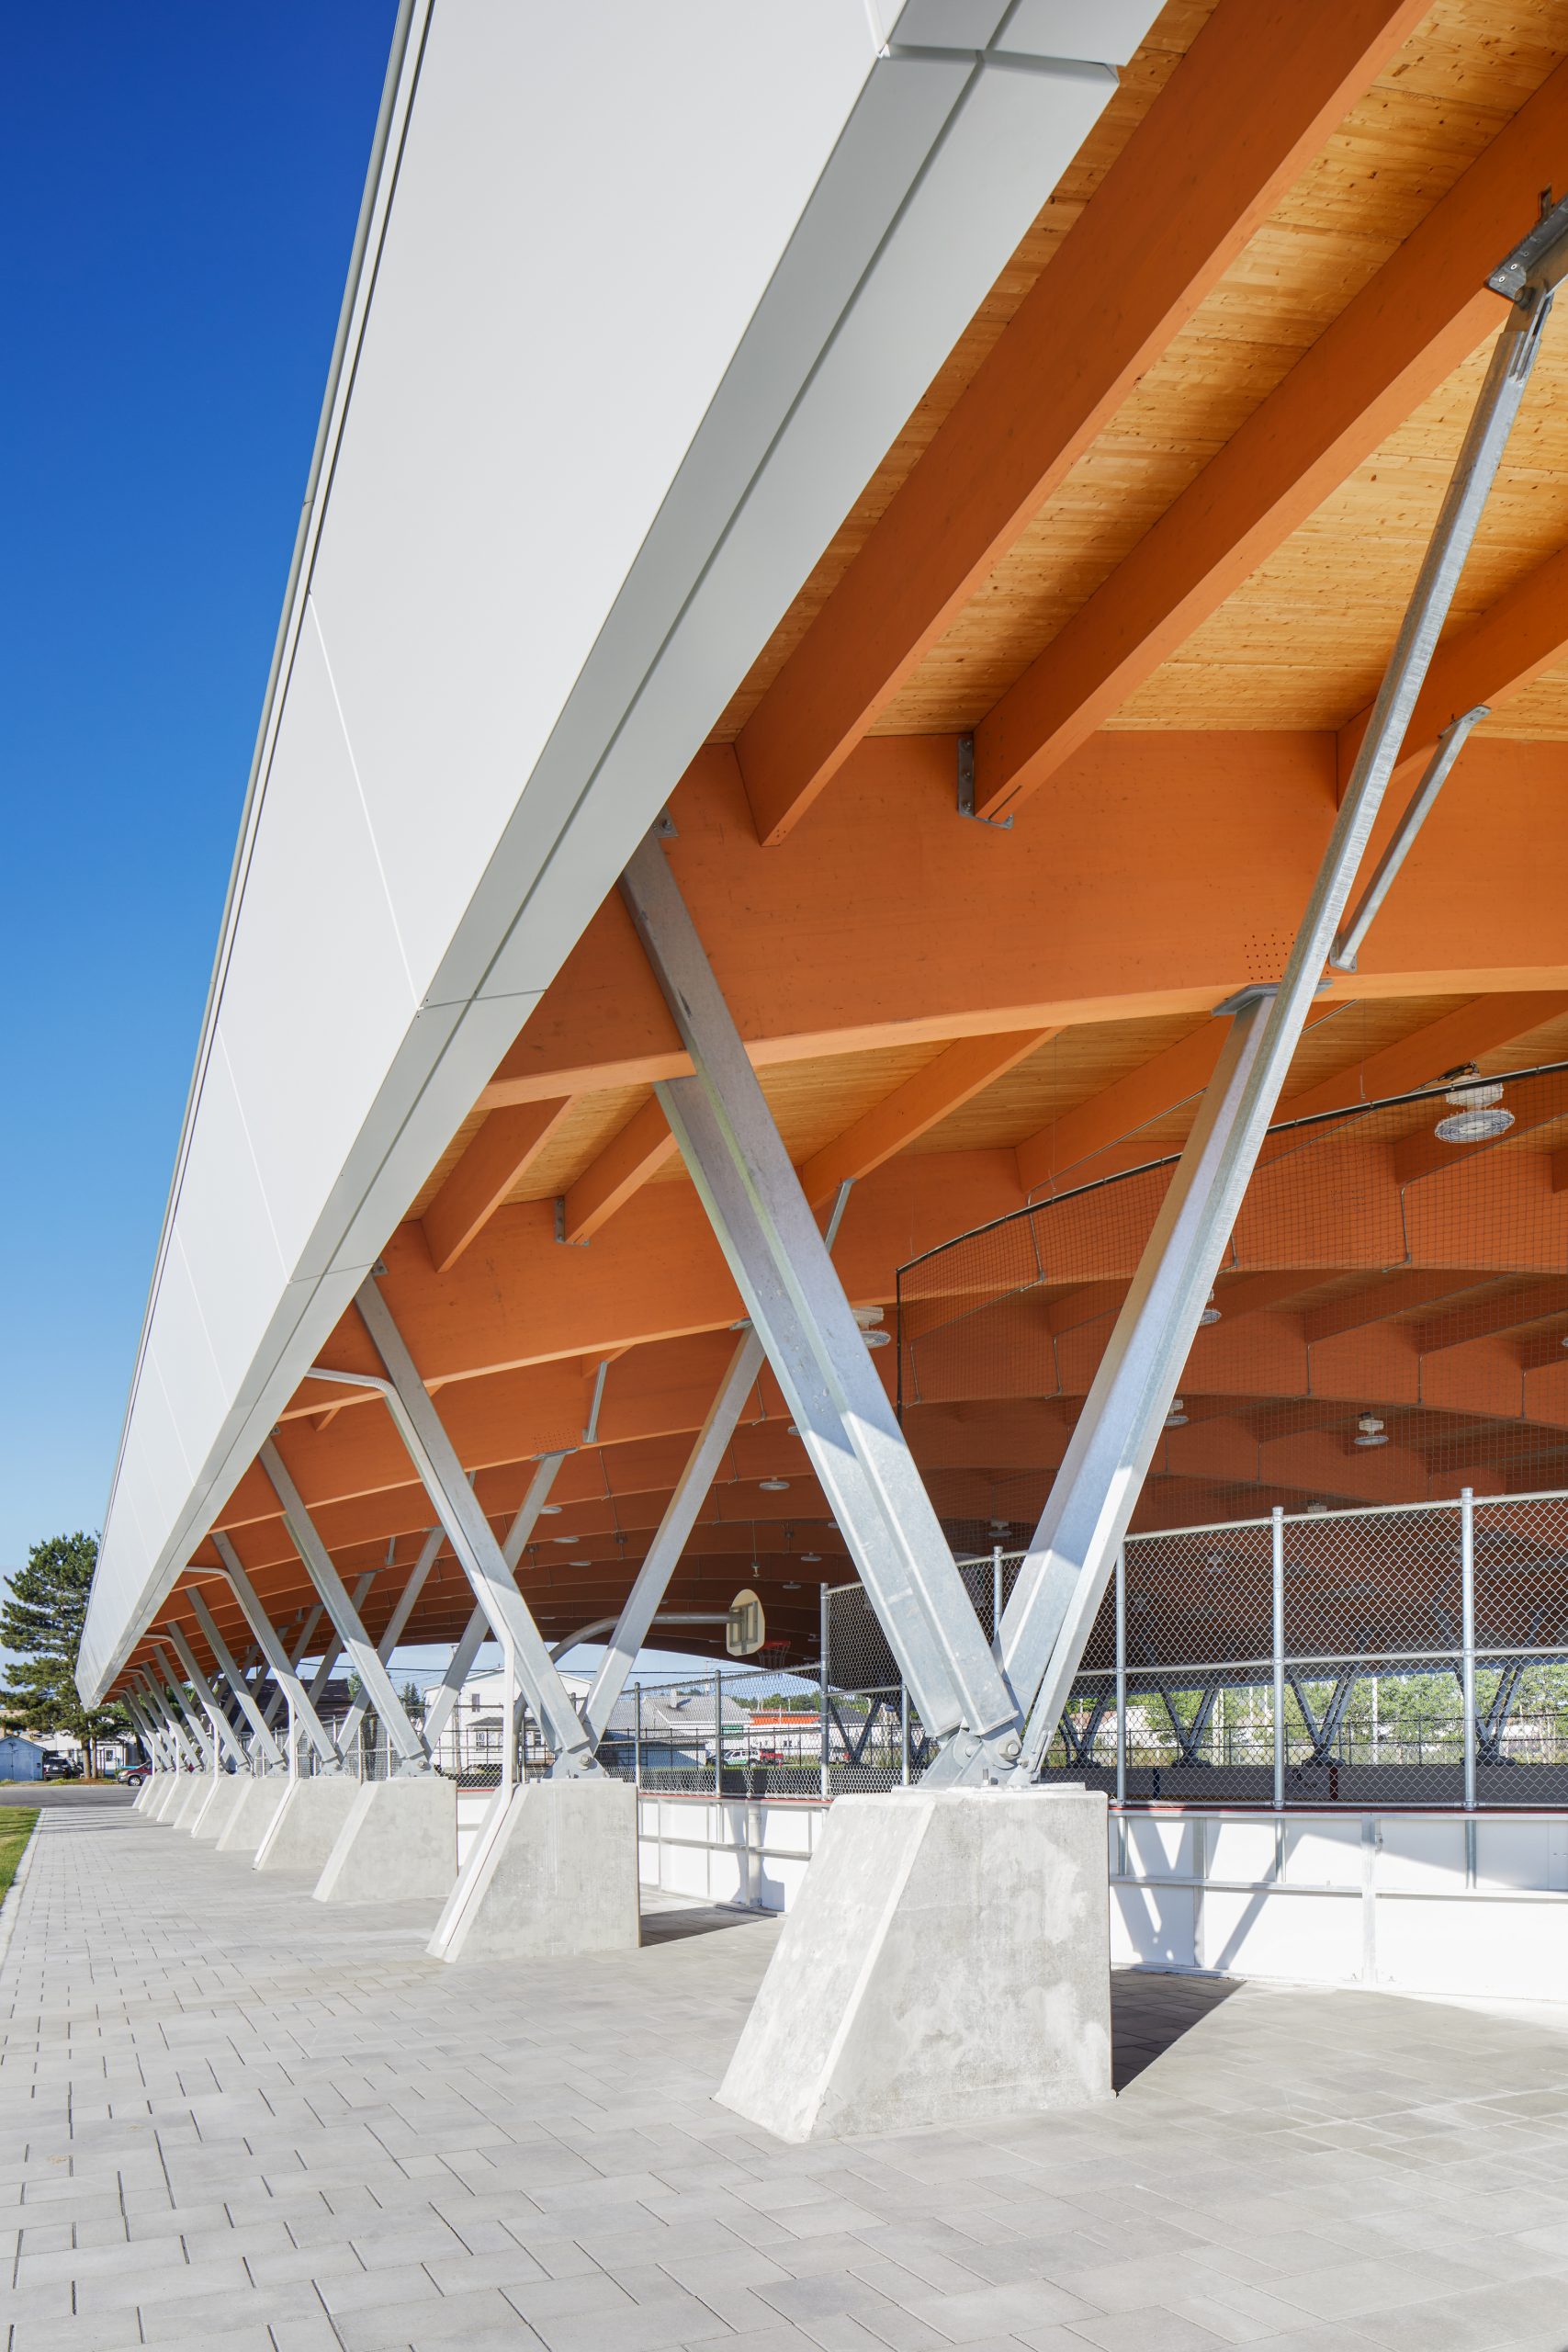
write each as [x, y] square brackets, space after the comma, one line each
[1150, 2012]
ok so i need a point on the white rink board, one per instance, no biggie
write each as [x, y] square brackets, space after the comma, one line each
[1407, 1903]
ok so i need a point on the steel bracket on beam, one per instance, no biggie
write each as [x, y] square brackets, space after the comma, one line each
[966, 790]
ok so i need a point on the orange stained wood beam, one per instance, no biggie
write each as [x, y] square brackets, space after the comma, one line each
[1422, 314]
[1483, 1026]
[1505, 1310]
[889, 921]
[1098, 1137]
[1113, 1116]
[643, 1147]
[954, 1078]
[1517, 641]
[489, 1170]
[663, 1391]
[1255, 97]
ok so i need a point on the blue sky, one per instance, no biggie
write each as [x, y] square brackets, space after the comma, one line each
[180, 185]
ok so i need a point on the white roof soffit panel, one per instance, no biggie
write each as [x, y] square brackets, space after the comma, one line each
[640, 297]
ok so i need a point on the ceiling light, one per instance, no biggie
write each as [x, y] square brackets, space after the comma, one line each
[1317, 1511]
[550, 1511]
[868, 1318]
[811, 1555]
[1370, 1430]
[579, 1564]
[789, 1588]
[1476, 1116]
[1175, 1418]
[563, 1539]
[1210, 1313]
[773, 1486]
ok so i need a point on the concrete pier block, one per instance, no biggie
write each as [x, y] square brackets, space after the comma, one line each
[183, 1813]
[228, 1787]
[175, 1790]
[304, 1829]
[556, 1876]
[253, 1816]
[947, 1961]
[399, 1841]
[153, 1789]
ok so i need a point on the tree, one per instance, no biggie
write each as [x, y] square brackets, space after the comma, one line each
[42, 1621]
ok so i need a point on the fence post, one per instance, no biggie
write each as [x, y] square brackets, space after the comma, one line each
[1279, 1557]
[1121, 1674]
[827, 1752]
[718, 1736]
[904, 1733]
[996, 1594]
[636, 1737]
[1467, 1634]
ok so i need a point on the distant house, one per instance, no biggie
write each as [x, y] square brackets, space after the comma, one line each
[20, 1759]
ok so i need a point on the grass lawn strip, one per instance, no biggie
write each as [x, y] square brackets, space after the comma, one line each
[17, 1825]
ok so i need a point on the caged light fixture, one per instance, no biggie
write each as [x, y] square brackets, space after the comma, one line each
[1210, 1313]
[1477, 1116]
[773, 1486]
[1370, 1431]
[1176, 1416]
[868, 1318]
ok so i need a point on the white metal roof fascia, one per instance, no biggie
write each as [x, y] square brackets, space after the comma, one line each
[595, 409]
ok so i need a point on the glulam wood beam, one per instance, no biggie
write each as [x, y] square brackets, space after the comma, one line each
[488, 1173]
[1258, 93]
[892, 921]
[1418, 317]
[643, 1147]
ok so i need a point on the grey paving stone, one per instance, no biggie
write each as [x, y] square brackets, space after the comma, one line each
[264, 2109]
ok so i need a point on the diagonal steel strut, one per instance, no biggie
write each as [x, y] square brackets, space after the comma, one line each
[1069, 1562]
[796, 1306]
[373, 1675]
[495, 1587]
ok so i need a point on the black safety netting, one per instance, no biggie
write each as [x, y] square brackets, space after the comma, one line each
[1390, 1323]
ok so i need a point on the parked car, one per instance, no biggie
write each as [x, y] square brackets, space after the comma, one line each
[134, 1774]
[61, 1767]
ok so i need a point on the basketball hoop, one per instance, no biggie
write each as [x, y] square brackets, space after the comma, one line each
[745, 1628]
[773, 1655]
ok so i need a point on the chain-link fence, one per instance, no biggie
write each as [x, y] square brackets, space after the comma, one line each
[1406, 1656]
[1294, 1660]
[1416, 1654]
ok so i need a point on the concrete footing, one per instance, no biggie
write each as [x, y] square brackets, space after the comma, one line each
[183, 1813]
[552, 1877]
[175, 1788]
[947, 1960]
[150, 1795]
[219, 1811]
[254, 1814]
[304, 1829]
[399, 1841]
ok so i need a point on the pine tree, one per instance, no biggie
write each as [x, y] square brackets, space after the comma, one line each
[42, 1621]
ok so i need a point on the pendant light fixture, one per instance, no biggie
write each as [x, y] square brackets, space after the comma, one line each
[1477, 1116]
